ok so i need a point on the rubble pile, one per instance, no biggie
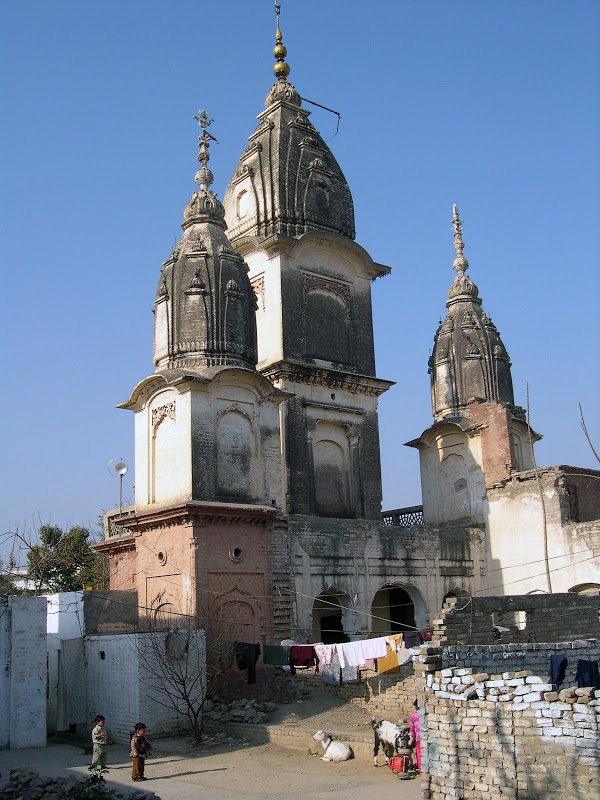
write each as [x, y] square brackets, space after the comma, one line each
[249, 711]
[25, 784]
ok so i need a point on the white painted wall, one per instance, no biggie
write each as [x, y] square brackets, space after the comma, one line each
[116, 688]
[23, 678]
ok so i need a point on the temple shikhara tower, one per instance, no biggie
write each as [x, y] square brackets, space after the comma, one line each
[257, 465]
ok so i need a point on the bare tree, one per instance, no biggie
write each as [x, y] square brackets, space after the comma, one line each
[182, 666]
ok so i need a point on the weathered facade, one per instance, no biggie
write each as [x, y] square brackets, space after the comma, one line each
[258, 485]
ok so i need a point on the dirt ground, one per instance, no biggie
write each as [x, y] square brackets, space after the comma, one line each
[249, 772]
[324, 711]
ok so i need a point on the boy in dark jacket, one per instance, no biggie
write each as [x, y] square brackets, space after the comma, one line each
[140, 748]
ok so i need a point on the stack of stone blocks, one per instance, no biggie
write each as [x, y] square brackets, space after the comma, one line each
[492, 723]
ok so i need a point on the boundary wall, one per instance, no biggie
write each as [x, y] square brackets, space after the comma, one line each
[508, 734]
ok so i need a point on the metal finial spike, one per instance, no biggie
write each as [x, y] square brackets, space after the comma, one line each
[281, 68]
[460, 264]
[204, 176]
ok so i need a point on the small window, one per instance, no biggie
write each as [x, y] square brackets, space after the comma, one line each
[102, 655]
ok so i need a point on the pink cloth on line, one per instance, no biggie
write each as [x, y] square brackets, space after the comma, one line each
[325, 653]
[374, 648]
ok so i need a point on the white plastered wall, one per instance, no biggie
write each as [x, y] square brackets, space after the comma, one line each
[163, 464]
[516, 562]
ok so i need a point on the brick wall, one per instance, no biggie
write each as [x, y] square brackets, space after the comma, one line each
[529, 618]
[385, 696]
[507, 735]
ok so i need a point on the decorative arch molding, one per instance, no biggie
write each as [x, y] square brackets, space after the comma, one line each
[235, 409]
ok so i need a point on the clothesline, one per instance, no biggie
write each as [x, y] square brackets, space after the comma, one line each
[388, 652]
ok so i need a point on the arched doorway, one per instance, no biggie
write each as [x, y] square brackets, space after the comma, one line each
[393, 611]
[332, 617]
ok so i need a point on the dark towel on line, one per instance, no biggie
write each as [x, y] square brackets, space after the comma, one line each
[303, 655]
[350, 675]
[587, 674]
[558, 668]
[275, 655]
[246, 655]
[412, 639]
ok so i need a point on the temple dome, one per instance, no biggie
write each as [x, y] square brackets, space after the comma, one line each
[205, 305]
[287, 180]
[469, 360]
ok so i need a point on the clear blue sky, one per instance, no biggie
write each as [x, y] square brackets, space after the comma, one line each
[493, 106]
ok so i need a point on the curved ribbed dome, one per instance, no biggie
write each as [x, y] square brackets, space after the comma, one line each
[469, 360]
[287, 180]
[205, 305]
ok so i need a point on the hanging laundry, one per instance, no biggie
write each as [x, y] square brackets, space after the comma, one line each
[587, 674]
[324, 653]
[558, 669]
[350, 675]
[303, 655]
[390, 662]
[246, 655]
[332, 673]
[426, 634]
[412, 639]
[275, 655]
[404, 655]
[374, 648]
[395, 641]
[288, 643]
[351, 654]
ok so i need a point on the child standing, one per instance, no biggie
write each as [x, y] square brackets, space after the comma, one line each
[140, 748]
[415, 734]
[100, 742]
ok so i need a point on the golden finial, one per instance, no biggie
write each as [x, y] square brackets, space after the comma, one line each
[281, 68]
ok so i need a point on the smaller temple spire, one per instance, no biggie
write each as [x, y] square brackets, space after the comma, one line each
[281, 68]
[461, 265]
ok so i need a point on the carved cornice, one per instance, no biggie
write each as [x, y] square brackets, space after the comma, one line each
[332, 379]
[186, 514]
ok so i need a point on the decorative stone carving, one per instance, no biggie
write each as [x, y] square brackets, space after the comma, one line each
[161, 412]
[282, 90]
[341, 290]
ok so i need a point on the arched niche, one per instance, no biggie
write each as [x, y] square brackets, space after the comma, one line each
[327, 325]
[235, 456]
[397, 608]
[332, 617]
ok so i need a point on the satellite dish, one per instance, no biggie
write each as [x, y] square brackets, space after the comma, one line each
[118, 467]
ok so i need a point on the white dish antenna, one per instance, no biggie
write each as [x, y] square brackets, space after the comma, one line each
[118, 468]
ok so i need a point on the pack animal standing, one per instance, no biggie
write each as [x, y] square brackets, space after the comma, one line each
[334, 751]
[389, 737]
